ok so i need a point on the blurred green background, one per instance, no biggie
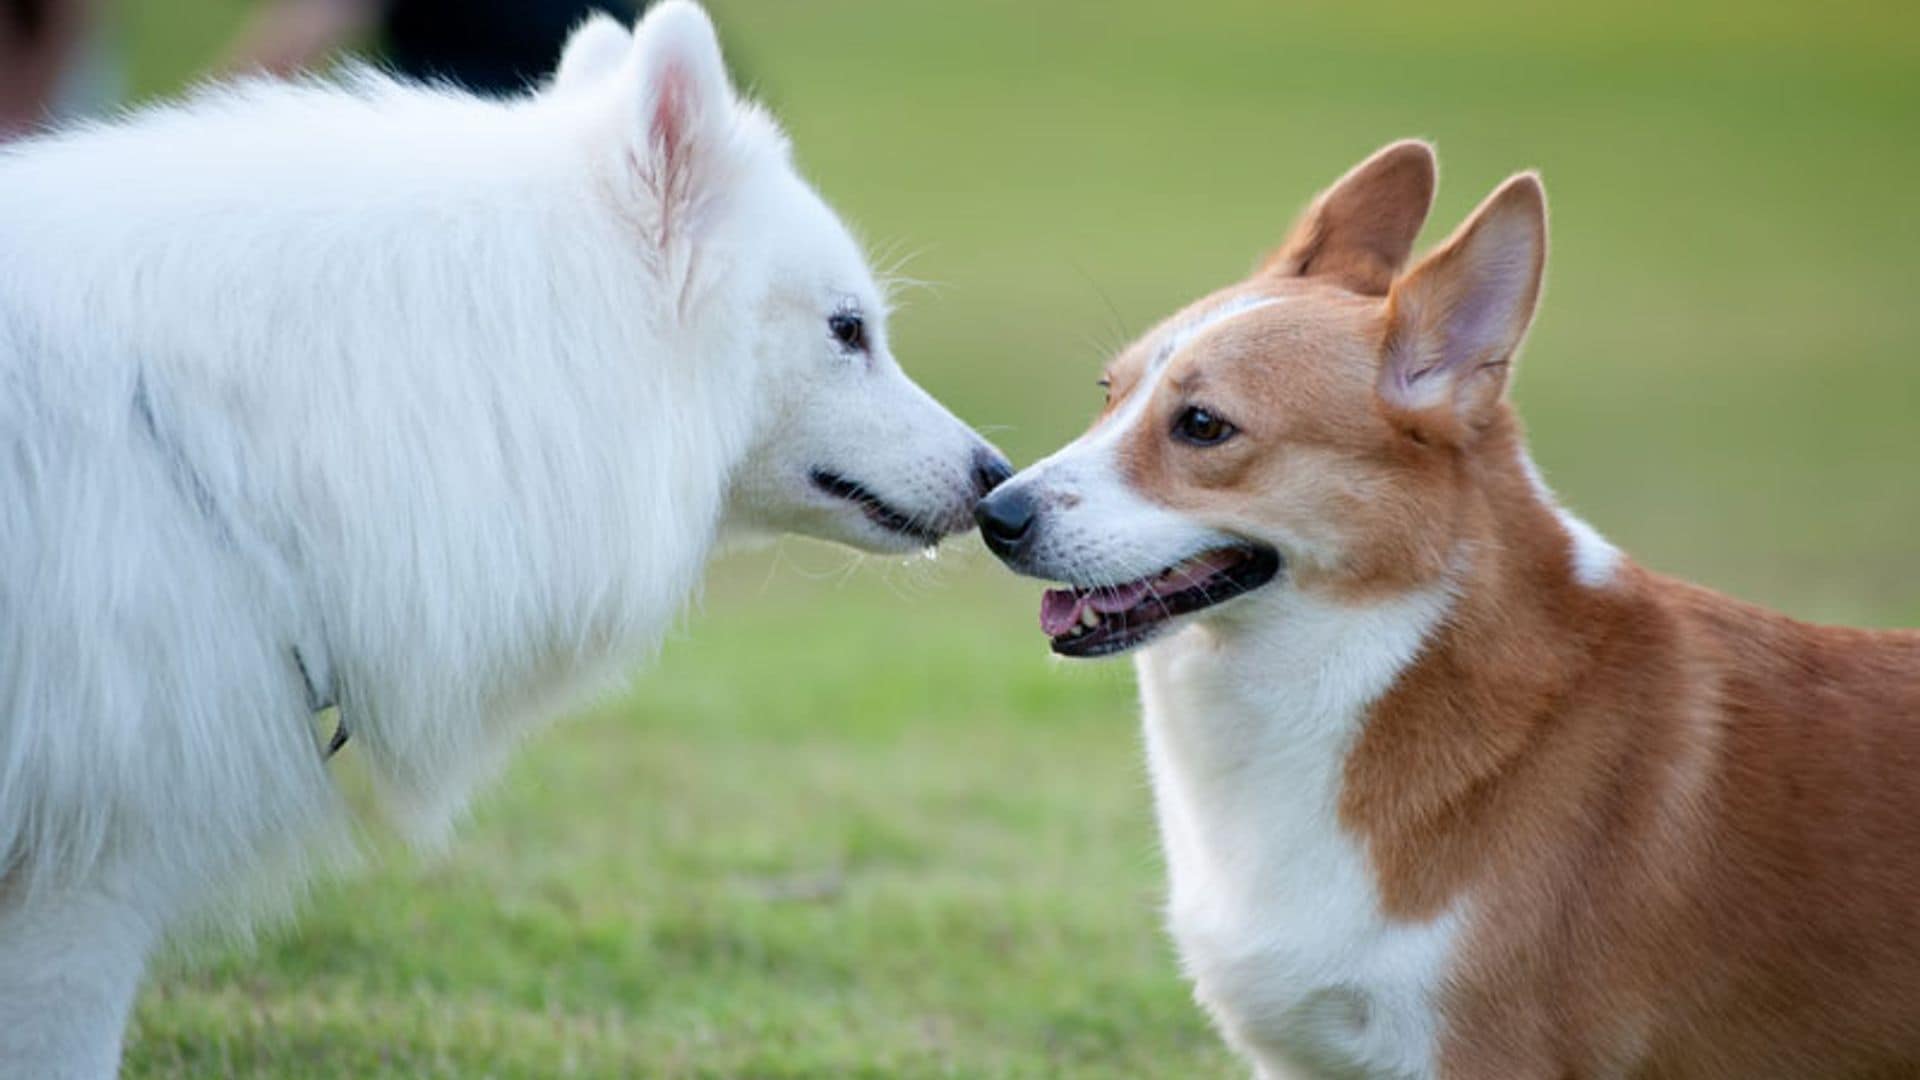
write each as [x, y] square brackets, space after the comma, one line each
[855, 821]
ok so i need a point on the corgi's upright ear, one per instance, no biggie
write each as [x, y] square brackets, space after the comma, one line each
[1455, 321]
[1360, 231]
[684, 119]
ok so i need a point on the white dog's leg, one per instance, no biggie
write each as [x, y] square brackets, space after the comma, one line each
[69, 966]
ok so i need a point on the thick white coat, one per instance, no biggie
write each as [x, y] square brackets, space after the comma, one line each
[445, 399]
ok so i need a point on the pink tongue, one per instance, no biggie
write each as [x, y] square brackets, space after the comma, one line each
[1059, 611]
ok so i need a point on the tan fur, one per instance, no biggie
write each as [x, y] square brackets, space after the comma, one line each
[1361, 230]
[1688, 829]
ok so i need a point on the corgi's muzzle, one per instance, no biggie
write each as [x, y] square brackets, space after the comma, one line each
[1102, 618]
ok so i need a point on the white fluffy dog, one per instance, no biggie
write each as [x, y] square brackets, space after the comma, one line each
[390, 397]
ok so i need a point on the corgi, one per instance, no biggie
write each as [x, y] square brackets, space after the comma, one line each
[1447, 785]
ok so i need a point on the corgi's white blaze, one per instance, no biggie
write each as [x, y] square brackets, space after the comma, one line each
[1102, 440]
[1187, 334]
[1595, 560]
[1099, 526]
[1249, 719]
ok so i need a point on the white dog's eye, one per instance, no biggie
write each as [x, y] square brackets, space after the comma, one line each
[849, 329]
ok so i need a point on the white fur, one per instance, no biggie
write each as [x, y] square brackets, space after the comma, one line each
[1249, 718]
[1593, 559]
[451, 398]
[595, 51]
[1184, 335]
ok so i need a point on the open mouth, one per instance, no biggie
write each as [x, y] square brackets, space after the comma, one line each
[1107, 619]
[874, 507]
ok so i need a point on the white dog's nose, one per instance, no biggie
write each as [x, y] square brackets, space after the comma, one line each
[990, 470]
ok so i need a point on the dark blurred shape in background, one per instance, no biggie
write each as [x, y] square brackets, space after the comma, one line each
[54, 65]
[487, 46]
[39, 44]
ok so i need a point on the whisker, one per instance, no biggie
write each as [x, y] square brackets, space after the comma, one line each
[1119, 323]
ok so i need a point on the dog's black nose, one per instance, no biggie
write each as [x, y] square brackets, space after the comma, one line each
[990, 470]
[1006, 520]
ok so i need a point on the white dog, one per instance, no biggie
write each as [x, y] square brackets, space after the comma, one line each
[390, 397]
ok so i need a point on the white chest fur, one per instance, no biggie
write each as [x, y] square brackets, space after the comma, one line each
[1272, 903]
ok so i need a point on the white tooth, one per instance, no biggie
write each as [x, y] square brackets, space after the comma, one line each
[1089, 618]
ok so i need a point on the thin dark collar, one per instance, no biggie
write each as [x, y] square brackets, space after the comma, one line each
[319, 700]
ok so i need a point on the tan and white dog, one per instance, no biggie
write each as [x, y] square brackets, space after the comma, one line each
[1448, 786]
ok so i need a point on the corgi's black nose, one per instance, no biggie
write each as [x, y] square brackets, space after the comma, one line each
[1006, 520]
[990, 470]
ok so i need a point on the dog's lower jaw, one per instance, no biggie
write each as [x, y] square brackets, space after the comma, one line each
[890, 521]
[1108, 620]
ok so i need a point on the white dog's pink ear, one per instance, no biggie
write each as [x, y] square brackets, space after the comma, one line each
[594, 51]
[685, 108]
[1455, 320]
[1360, 231]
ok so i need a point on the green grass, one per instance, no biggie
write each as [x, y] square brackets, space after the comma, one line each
[859, 824]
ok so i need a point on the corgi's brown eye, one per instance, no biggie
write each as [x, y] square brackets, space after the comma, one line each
[1106, 387]
[849, 329]
[1201, 427]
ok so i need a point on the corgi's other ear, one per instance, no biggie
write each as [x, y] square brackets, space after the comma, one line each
[684, 119]
[594, 50]
[1360, 231]
[1455, 321]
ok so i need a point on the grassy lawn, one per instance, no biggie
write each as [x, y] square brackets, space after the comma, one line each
[855, 822]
